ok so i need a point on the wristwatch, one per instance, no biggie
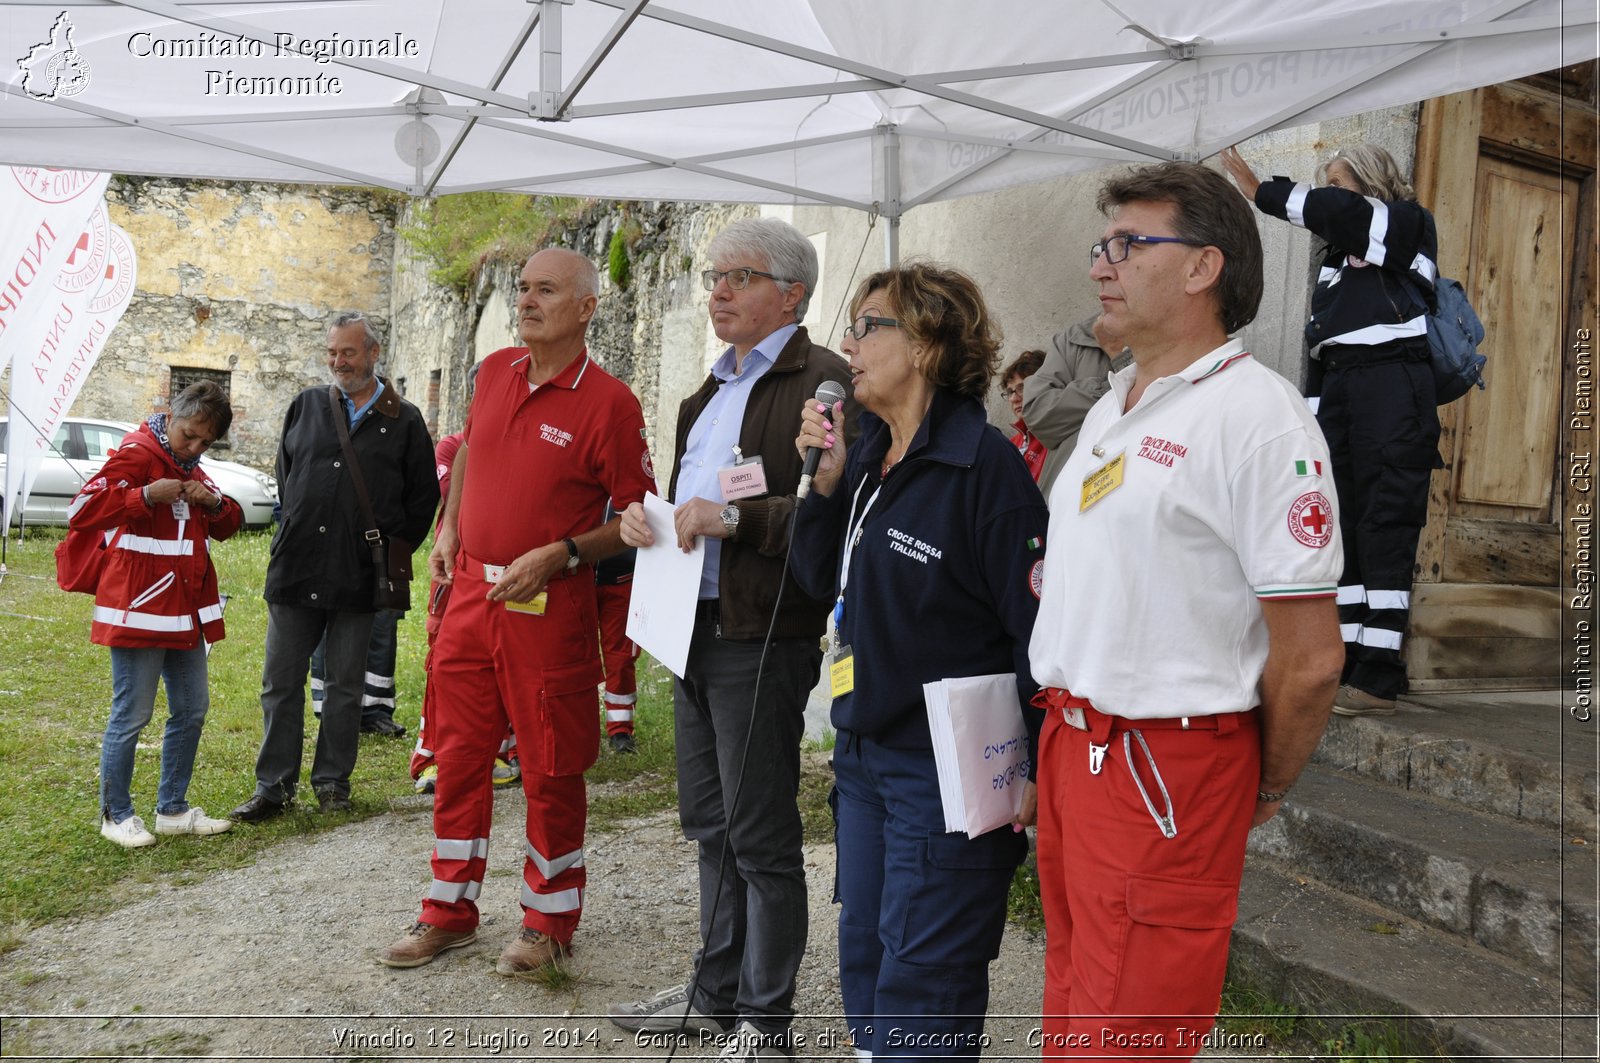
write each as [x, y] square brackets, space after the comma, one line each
[572, 554]
[730, 520]
[1274, 796]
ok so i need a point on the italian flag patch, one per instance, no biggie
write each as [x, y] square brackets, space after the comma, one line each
[1308, 468]
[1035, 543]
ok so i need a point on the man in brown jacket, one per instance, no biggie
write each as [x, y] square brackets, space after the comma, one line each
[727, 725]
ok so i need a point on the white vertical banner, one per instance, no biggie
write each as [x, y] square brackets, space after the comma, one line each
[55, 250]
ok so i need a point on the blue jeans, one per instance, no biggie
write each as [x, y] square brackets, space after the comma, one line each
[134, 672]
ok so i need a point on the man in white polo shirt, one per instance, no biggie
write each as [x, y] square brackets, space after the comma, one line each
[1187, 635]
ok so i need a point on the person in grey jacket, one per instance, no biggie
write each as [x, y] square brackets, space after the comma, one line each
[1056, 399]
[319, 574]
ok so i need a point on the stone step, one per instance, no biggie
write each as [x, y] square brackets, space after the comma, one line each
[1516, 888]
[1345, 960]
[1514, 753]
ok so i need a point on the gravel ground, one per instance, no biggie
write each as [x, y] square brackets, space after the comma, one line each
[277, 961]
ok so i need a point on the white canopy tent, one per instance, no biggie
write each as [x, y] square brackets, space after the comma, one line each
[879, 105]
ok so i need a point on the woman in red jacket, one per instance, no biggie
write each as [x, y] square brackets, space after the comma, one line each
[156, 598]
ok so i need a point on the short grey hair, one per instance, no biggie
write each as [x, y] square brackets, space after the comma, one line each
[356, 317]
[585, 275]
[205, 401]
[783, 248]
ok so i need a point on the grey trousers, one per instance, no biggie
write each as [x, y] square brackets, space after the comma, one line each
[751, 952]
[292, 634]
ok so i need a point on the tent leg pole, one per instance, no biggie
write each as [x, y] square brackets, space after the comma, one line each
[891, 243]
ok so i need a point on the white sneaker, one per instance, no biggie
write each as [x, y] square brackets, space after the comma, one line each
[194, 821]
[663, 1013]
[130, 833]
[748, 1043]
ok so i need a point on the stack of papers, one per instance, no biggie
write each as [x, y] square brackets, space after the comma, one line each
[981, 748]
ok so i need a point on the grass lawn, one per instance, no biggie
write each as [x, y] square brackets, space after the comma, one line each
[55, 695]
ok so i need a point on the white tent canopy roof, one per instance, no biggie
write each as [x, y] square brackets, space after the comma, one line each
[871, 104]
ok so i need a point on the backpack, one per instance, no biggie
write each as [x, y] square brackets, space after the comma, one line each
[1454, 333]
[81, 557]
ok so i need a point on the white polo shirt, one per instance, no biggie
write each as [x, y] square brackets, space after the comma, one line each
[1150, 605]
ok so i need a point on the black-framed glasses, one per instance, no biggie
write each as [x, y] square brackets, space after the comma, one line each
[738, 279]
[1115, 248]
[1010, 393]
[862, 326]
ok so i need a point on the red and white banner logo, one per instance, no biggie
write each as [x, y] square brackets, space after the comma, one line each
[1311, 519]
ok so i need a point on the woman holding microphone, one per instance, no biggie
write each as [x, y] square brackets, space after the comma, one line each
[929, 536]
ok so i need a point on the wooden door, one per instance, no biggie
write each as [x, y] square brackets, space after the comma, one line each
[1509, 173]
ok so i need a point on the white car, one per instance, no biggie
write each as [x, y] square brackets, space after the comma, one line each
[81, 446]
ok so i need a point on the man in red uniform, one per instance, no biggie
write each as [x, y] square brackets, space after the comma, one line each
[549, 438]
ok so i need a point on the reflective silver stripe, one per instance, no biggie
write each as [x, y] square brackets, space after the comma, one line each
[78, 503]
[1373, 335]
[1424, 266]
[367, 701]
[143, 544]
[1327, 275]
[1295, 207]
[142, 621]
[155, 589]
[1354, 594]
[421, 750]
[1378, 638]
[621, 699]
[461, 848]
[551, 868]
[373, 679]
[1389, 599]
[316, 686]
[454, 892]
[210, 612]
[618, 715]
[507, 744]
[1350, 632]
[1376, 252]
[1312, 402]
[552, 903]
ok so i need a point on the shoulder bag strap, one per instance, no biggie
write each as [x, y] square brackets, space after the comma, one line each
[342, 426]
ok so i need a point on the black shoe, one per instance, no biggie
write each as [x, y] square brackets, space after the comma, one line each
[257, 809]
[383, 725]
[333, 801]
[622, 742]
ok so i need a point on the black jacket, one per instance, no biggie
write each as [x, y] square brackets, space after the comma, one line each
[752, 562]
[318, 556]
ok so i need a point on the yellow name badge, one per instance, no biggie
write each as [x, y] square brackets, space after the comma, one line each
[1101, 482]
[536, 607]
[842, 673]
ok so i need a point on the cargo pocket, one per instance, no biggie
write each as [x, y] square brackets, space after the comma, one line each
[954, 905]
[569, 719]
[1175, 948]
[1400, 496]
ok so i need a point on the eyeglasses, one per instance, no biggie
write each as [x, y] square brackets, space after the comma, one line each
[738, 279]
[1115, 248]
[1011, 393]
[862, 326]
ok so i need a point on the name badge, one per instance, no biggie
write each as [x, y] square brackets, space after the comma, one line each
[533, 608]
[1101, 482]
[842, 672]
[180, 510]
[743, 480]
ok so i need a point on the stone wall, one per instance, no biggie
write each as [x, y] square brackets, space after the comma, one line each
[239, 278]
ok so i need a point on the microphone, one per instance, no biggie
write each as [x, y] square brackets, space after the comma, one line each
[828, 393]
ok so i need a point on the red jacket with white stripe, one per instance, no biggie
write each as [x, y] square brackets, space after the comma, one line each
[158, 587]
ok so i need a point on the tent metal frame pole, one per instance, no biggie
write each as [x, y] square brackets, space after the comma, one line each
[547, 100]
[506, 62]
[603, 49]
[887, 143]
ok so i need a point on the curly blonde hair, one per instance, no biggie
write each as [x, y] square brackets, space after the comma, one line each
[942, 310]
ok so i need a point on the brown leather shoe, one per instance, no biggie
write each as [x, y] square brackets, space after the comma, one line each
[422, 943]
[1352, 701]
[529, 951]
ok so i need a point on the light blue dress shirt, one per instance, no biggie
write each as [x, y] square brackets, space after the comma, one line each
[716, 432]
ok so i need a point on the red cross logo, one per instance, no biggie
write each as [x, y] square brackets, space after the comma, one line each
[1310, 519]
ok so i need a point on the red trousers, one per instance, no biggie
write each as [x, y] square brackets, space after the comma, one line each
[1137, 923]
[620, 654]
[422, 753]
[493, 667]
